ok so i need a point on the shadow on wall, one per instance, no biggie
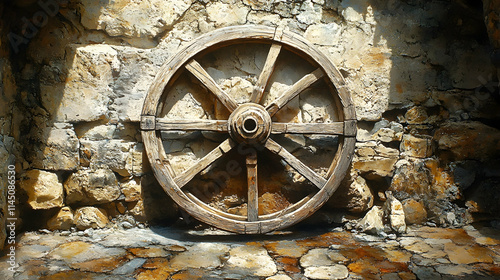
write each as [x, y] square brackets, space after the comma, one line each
[427, 66]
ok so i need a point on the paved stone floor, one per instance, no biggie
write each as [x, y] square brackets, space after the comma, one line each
[472, 252]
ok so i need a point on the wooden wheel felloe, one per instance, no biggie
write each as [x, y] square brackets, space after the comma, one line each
[253, 124]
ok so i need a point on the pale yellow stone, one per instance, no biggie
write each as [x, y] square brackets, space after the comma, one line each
[255, 259]
[201, 255]
[43, 188]
[90, 217]
[63, 220]
[132, 190]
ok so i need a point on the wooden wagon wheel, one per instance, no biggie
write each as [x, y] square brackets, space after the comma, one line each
[249, 123]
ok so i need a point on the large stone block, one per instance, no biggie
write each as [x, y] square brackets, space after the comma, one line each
[468, 140]
[63, 220]
[43, 188]
[382, 130]
[394, 213]
[373, 221]
[376, 165]
[133, 19]
[226, 14]
[90, 217]
[113, 154]
[90, 71]
[132, 190]
[140, 164]
[89, 186]
[462, 104]
[424, 178]
[416, 146]
[411, 177]
[137, 71]
[415, 212]
[58, 149]
[354, 194]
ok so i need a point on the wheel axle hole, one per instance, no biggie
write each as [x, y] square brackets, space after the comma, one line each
[250, 125]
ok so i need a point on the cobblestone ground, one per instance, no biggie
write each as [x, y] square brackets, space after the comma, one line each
[166, 253]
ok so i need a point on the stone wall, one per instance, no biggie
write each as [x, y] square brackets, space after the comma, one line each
[420, 73]
[8, 144]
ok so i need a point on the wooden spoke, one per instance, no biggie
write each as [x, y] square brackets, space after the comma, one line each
[336, 128]
[294, 90]
[197, 70]
[295, 163]
[253, 194]
[264, 76]
[182, 179]
[187, 125]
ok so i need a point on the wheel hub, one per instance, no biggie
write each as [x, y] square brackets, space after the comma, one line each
[250, 123]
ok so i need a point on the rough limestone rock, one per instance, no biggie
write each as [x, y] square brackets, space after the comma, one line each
[394, 213]
[227, 14]
[137, 70]
[132, 190]
[132, 19]
[137, 210]
[383, 131]
[415, 212]
[417, 115]
[90, 74]
[43, 188]
[91, 131]
[337, 271]
[355, 195]
[63, 220]
[468, 140]
[321, 257]
[373, 158]
[371, 149]
[92, 187]
[373, 221]
[419, 147]
[412, 177]
[140, 163]
[323, 34]
[252, 258]
[58, 149]
[379, 166]
[201, 255]
[113, 154]
[90, 217]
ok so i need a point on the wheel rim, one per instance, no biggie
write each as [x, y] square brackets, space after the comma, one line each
[249, 124]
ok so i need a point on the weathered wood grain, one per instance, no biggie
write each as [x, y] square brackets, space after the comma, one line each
[253, 192]
[294, 90]
[335, 128]
[197, 70]
[189, 125]
[188, 174]
[295, 163]
[267, 70]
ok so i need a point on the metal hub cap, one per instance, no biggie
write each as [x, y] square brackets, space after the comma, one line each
[250, 123]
